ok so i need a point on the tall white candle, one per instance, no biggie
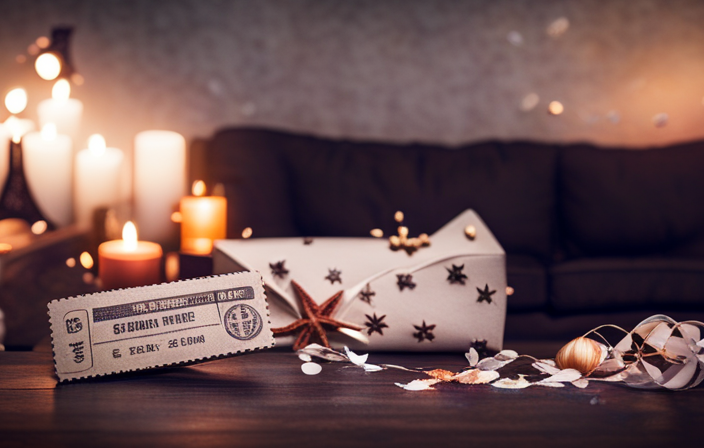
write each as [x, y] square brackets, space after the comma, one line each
[4, 155]
[47, 167]
[159, 182]
[97, 179]
[61, 110]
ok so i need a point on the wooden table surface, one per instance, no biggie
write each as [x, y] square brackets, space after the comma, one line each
[263, 399]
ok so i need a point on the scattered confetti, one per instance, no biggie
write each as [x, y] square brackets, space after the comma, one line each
[660, 120]
[529, 102]
[311, 368]
[515, 38]
[558, 27]
[247, 232]
[555, 108]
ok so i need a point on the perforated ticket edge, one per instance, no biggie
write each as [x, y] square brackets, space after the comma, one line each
[68, 378]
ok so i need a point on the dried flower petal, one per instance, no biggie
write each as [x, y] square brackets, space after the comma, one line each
[476, 376]
[472, 356]
[416, 385]
[507, 383]
[440, 374]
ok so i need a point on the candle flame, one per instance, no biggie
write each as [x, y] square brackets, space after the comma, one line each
[129, 236]
[48, 66]
[86, 260]
[198, 188]
[61, 90]
[16, 100]
[96, 144]
[49, 132]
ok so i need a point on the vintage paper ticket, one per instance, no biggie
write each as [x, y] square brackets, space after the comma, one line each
[159, 325]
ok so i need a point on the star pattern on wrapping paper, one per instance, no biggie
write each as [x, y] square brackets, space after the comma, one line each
[480, 346]
[425, 332]
[485, 294]
[375, 324]
[315, 318]
[456, 275]
[334, 276]
[366, 294]
[278, 269]
[405, 281]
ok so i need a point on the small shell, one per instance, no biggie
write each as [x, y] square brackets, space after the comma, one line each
[470, 231]
[582, 354]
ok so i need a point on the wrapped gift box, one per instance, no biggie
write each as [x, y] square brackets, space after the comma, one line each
[444, 297]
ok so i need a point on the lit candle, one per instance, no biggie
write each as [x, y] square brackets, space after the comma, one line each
[203, 219]
[4, 155]
[97, 178]
[61, 110]
[128, 262]
[159, 182]
[47, 167]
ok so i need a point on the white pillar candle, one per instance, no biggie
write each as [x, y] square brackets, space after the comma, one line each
[47, 167]
[4, 155]
[61, 110]
[97, 179]
[159, 182]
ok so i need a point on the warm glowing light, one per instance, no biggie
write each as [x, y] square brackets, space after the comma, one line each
[96, 144]
[129, 236]
[247, 232]
[42, 42]
[509, 291]
[171, 266]
[176, 217]
[16, 100]
[61, 90]
[556, 108]
[33, 49]
[398, 216]
[529, 102]
[71, 262]
[86, 260]
[49, 132]
[202, 245]
[5, 248]
[48, 66]
[377, 233]
[39, 227]
[77, 79]
[470, 231]
[198, 188]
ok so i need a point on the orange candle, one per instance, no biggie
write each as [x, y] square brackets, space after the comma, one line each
[128, 262]
[203, 219]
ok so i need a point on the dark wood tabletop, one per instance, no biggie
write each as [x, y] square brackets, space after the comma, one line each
[264, 399]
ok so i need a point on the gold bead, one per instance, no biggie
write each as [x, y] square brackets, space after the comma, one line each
[424, 239]
[403, 231]
[398, 216]
[582, 354]
[395, 241]
[377, 233]
[470, 231]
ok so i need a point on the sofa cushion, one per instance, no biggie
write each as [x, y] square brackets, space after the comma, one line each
[287, 183]
[632, 203]
[619, 283]
[528, 278]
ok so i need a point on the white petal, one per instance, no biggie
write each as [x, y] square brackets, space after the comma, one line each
[311, 368]
[476, 376]
[506, 383]
[505, 355]
[548, 384]
[372, 368]
[304, 357]
[582, 383]
[417, 385]
[325, 353]
[546, 368]
[356, 359]
[492, 363]
[567, 375]
[472, 356]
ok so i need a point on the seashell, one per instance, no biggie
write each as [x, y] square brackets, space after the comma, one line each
[582, 354]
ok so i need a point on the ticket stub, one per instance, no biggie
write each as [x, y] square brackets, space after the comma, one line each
[159, 325]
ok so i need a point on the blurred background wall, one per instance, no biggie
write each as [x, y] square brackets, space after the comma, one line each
[627, 72]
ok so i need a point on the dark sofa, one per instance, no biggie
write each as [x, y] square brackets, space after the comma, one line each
[592, 235]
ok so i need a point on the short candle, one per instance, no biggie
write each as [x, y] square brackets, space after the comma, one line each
[203, 219]
[128, 262]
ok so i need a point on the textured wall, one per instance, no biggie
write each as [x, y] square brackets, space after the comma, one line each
[400, 70]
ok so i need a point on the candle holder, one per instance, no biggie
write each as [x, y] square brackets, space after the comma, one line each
[16, 200]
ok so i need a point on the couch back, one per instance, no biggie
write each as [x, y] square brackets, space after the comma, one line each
[539, 199]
